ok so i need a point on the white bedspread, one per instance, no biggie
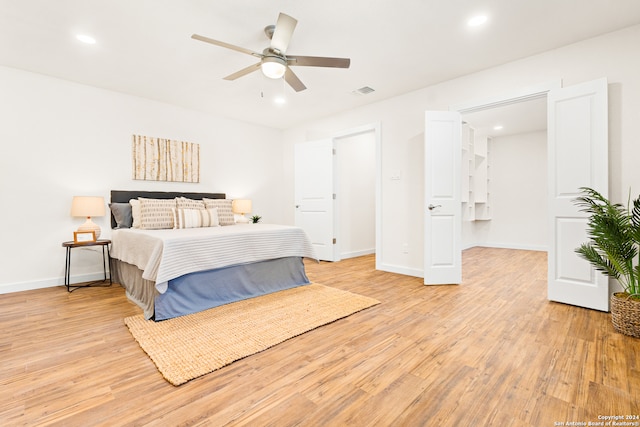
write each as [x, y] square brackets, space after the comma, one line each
[163, 255]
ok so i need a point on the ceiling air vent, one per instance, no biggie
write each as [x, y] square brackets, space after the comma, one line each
[365, 90]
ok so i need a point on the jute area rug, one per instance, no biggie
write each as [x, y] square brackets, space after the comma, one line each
[190, 346]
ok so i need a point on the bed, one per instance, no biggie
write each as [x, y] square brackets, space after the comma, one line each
[172, 272]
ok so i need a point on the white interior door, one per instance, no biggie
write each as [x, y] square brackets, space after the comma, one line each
[577, 157]
[314, 173]
[442, 217]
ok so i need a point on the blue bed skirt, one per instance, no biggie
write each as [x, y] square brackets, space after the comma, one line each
[207, 289]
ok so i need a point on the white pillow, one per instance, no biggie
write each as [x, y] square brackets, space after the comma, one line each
[135, 212]
[194, 218]
[183, 202]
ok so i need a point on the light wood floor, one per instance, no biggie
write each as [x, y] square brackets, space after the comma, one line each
[491, 351]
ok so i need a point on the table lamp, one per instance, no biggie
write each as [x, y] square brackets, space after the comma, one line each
[241, 206]
[88, 206]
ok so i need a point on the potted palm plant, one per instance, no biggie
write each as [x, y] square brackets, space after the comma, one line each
[613, 249]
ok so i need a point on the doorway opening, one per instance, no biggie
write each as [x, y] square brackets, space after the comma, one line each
[506, 201]
[355, 188]
[523, 115]
[577, 148]
[322, 172]
[358, 188]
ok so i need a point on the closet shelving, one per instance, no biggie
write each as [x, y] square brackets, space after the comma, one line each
[476, 181]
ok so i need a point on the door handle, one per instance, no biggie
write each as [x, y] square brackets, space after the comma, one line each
[432, 207]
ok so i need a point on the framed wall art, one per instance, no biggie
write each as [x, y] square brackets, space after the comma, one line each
[159, 159]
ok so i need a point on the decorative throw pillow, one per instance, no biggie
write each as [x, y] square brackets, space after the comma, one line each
[184, 203]
[122, 214]
[225, 214]
[156, 214]
[193, 218]
[135, 213]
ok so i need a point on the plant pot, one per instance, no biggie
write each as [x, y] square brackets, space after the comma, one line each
[625, 314]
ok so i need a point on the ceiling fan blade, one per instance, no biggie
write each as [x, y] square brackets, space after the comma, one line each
[243, 72]
[293, 80]
[318, 61]
[282, 34]
[227, 45]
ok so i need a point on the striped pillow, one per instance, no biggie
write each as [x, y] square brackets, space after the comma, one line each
[156, 214]
[225, 214]
[194, 218]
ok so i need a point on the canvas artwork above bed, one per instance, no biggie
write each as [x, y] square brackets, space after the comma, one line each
[180, 253]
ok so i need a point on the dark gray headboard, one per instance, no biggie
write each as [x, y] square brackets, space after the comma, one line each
[123, 196]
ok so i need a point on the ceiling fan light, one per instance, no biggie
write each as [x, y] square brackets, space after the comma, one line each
[273, 67]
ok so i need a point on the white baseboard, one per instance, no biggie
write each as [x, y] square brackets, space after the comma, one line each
[48, 283]
[419, 273]
[541, 248]
[355, 254]
[415, 272]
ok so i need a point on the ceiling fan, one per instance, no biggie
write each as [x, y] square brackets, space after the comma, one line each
[273, 60]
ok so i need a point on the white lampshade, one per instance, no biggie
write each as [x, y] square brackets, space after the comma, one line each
[241, 206]
[88, 206]
[273, 67]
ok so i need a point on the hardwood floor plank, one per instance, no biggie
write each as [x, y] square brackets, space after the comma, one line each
[395, 398]
[490, 351]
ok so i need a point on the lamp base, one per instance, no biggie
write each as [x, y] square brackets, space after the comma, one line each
[90, 226]
[242, 219]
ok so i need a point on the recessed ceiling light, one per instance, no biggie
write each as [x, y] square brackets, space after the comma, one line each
[86, 39]
[279, 100]
[477, 20]
[498, 127]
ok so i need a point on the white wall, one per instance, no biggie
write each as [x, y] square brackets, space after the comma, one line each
[614, 56]
[59, 139]
[518, 168]
[356, 170]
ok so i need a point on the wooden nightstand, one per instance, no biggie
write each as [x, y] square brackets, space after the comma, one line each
[67, 267]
